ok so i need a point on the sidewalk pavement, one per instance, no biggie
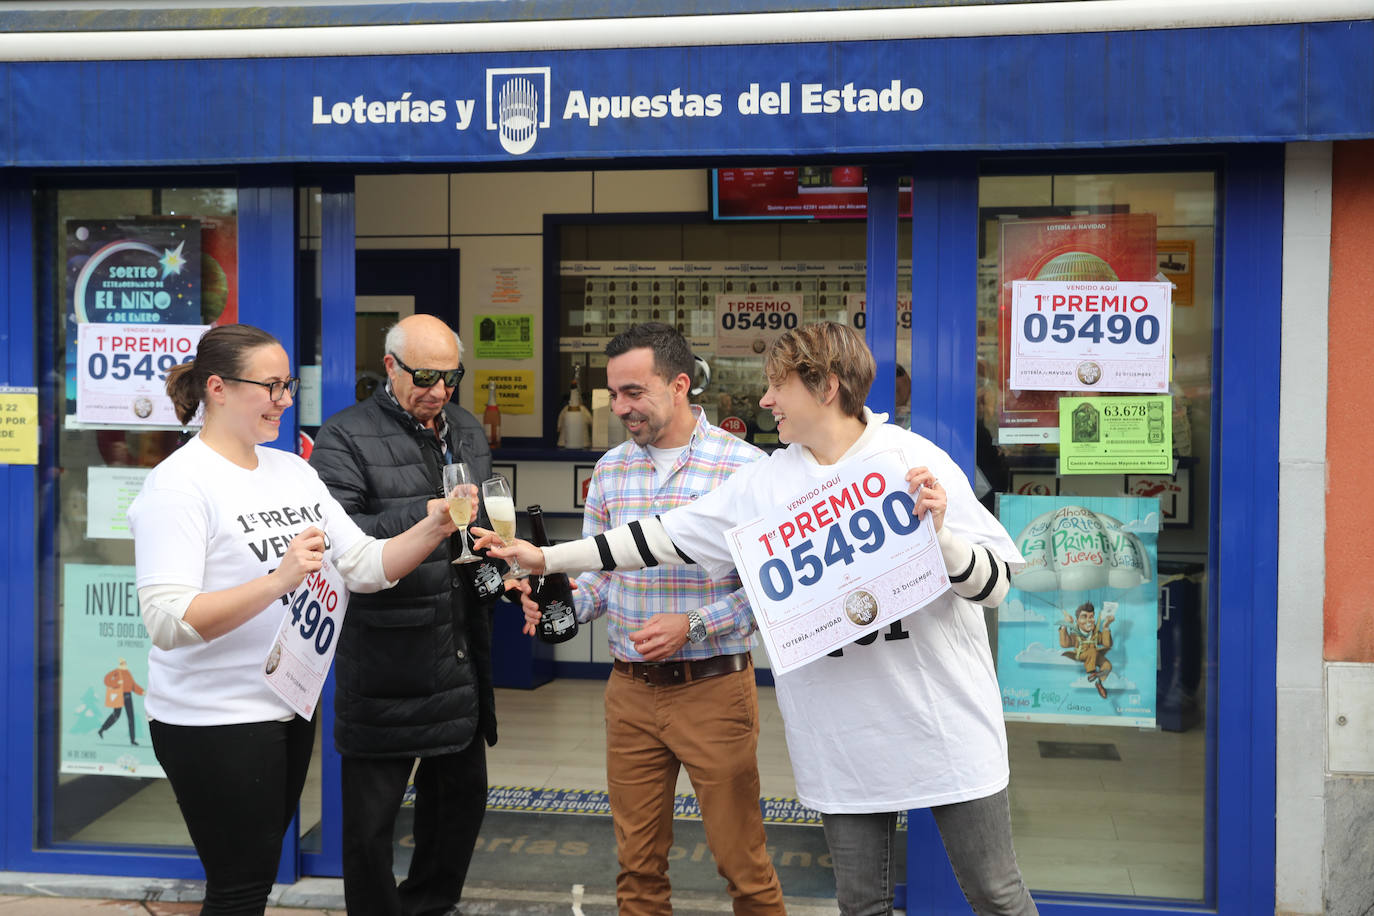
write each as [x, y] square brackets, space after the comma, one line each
[99, 895]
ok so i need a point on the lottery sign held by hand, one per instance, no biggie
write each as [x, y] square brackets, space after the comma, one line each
[303, 650]
[844, 557]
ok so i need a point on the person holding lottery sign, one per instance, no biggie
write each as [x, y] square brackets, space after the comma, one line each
[913, 719]
[225, 531]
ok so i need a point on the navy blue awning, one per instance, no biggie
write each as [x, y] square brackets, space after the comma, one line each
[1311, 81]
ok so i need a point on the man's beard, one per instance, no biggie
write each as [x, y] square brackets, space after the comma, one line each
[647, 433]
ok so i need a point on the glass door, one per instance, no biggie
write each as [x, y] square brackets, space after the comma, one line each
[127, 276]
[1094, 447]
[384, 286]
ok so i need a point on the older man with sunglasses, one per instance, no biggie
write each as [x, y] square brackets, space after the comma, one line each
[413, 679]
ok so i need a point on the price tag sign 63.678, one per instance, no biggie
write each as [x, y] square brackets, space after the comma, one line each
[844, 557]
[1089, 336]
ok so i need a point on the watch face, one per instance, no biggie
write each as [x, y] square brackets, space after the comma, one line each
[696, 632]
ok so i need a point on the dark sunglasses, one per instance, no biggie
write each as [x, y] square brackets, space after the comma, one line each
[275, 390]
[428, 378]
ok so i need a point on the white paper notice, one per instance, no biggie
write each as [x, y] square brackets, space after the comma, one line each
[839, 560]
[109, 492]
[121, 371]
[1090, 336]
[310, 403]
[306, 641]
[748, 323]
[856, 305]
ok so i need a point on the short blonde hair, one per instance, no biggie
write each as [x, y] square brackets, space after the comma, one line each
[820, 350]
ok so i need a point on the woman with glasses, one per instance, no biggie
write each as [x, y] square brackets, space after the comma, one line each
[224, 531]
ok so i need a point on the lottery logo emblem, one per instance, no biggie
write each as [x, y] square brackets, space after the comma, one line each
[1089, 373]
[518, 105]
[861, 608]
[273, 658]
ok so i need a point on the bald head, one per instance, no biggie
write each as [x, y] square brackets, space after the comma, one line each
[421, 342]
[420, 327]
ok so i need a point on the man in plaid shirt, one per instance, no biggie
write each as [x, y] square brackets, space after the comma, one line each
[682, 690]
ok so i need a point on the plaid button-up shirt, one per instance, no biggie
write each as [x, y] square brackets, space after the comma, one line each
[625, 487]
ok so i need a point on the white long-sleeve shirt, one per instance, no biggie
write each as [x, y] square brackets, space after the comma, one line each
[914, 718]
[203, 524]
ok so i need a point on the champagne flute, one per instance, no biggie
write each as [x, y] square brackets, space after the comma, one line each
[496, 493]
[461, 491]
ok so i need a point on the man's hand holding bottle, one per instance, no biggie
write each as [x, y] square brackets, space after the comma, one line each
[552, 593]
[528, 604]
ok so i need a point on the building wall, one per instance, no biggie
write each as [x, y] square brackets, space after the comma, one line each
[1350, 502]
[1325, 685]
[1348, 607]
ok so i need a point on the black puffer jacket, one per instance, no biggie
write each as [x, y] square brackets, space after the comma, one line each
[413, 669]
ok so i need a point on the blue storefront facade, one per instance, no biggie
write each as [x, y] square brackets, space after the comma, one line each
[960, 108]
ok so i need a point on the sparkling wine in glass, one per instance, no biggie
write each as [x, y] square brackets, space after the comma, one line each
[496, 493]
[461, 491]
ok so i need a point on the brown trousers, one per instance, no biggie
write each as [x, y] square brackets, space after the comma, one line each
[711, 727]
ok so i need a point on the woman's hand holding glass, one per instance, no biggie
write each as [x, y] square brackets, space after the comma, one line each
[520, 554]
[461, 492]
[496, 493]
[524, 557]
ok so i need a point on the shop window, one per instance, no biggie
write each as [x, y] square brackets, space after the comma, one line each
[729, 308]
[132, 275]
[1100, 470]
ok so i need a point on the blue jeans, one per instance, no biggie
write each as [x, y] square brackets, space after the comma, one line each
[977, 836]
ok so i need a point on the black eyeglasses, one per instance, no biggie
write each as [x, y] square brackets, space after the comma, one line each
[275, 390]
[428, 378]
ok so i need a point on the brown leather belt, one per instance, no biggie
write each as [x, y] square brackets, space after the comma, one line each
[667, 674]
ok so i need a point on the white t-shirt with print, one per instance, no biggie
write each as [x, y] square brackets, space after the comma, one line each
[203, 522]
[913, 719]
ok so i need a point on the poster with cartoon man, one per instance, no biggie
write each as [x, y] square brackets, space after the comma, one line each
[103, 725]
[1076, 635]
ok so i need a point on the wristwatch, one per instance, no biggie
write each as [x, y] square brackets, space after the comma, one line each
[696, 627]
